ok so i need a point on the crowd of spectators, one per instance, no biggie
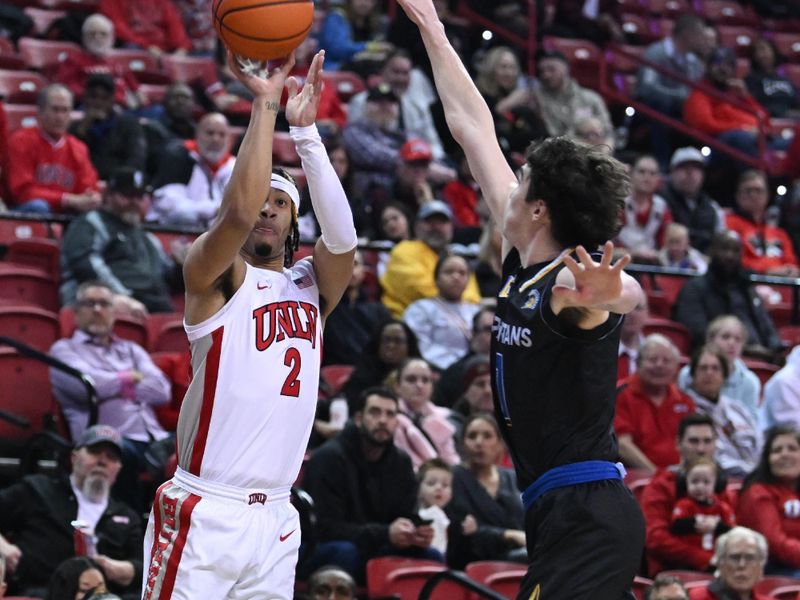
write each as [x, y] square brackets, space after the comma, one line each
[406, 457]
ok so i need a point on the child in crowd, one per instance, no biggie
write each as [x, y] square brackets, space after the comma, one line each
[435, 489]
[701, 513]
[676, 251]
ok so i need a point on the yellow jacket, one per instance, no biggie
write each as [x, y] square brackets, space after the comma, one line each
[409, 277]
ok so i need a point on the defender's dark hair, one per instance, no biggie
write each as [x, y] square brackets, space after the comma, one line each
[293, 239]
[376, 390]
[692, 420]
[584, 190]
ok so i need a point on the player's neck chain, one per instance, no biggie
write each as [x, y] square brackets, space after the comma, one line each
[545, 270]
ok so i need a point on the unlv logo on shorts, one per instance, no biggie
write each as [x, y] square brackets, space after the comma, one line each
[257, 497]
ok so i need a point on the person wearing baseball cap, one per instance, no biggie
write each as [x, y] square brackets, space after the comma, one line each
[688, 203]
[409, 273]
[53, 518]
[110, 245]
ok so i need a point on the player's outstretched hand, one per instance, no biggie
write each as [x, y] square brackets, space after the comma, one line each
[302, 106]
[419, 11]
[596, 284]
[267, 88]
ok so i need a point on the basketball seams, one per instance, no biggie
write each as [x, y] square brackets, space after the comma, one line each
[259, 39]
[252, 6]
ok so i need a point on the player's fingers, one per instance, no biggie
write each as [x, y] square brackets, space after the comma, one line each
[570, 263]
[564, 293]
[291, 87]
[608, 254]
[289, 64]
[584, 256]
[623, 262]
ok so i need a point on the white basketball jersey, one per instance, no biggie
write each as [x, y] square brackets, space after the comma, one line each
[247, 416]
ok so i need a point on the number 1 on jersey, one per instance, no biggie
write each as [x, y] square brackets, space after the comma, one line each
[291, 387]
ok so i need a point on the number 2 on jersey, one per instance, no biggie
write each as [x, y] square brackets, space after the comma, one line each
[291, 387]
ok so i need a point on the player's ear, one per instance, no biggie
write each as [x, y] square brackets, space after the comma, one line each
[538, 209]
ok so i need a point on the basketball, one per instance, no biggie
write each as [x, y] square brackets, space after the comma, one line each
[262, 29]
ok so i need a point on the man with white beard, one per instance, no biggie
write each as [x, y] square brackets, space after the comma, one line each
[51, 519]
[192, 176]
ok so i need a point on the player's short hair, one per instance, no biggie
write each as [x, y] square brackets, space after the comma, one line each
[375, 390]
[713, 350]
[691, 421]
[432, 464]
[584, 190]
[662, 581]
[313, 579]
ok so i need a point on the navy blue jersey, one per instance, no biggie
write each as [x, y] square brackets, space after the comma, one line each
[554, 384]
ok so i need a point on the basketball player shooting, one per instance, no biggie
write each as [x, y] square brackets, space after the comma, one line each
[555, 339]
[223, 527]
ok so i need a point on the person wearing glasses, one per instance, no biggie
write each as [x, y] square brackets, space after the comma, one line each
[129, 385]
[109, 244]
[740, 556]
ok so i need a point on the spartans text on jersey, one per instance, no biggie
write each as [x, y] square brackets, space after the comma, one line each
[511, 335]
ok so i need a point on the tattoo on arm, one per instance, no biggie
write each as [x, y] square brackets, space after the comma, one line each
[273, 106]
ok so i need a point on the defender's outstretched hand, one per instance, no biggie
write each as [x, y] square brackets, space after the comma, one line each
[270, 87]
[301, 108]
[419, 10]
[596, 284]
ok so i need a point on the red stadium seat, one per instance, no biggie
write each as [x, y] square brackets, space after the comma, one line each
[791, 72]
[623, 64]
[20, 115]
[403, 578]
[634, 6]
[30, 325]
[788, 45]
[772, 584]
[167, 333]
[676, 332]
[583, 56]
[20, 87]
[738, 38]
[669, 8]
[283, 150]
[334, 377]
[347, 84]
[23, 229]
[28, 287]
[26, 394]
[640, 586]
[501, 576]
[43, 18]
[189, 69]
[728, 12]
[152, 93]
[764, 370]
[177, 367]
[9, 59]
[638, 27]
[37, 253]
[790, 334]
[689, 577]
[142, 64]
[43, 54]
[784, 128]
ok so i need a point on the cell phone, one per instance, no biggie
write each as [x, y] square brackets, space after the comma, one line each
[418, 521]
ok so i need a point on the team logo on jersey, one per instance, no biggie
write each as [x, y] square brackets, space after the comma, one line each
[289, 318]
[533, 299]
[507, 287]
[259, 497]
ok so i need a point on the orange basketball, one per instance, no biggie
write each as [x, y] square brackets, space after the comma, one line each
[262, 29]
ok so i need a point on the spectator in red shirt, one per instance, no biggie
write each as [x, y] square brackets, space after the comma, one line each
[665, 550]
[740, 556]
[650, 407]
[766, 248]
[153, 25]
[98, 41]
[50, 170]
[770, 500]
[718, 116]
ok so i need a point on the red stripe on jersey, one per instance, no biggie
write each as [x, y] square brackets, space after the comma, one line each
[175, 556]
[156, 534]
[209, 392]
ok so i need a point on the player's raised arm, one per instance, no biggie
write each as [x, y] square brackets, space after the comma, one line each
[214, 252]
[334, 251]
[468, 116]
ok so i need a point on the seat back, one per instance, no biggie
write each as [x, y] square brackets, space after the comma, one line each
[38, 253]
[763, 370]
[334, 377]
[677, 333]
[404, 578]
[26, 286]
[501, 576]
[346, 83]
[21, 87]
[31, 325]
[190, 69]
[44, 54]
[26, 393]
[19, 116]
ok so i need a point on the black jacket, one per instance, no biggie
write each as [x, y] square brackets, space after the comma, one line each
[702, 220]
[36, 515]
[357, 500]
[704, 298]
[116, 142]
[99, 245]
